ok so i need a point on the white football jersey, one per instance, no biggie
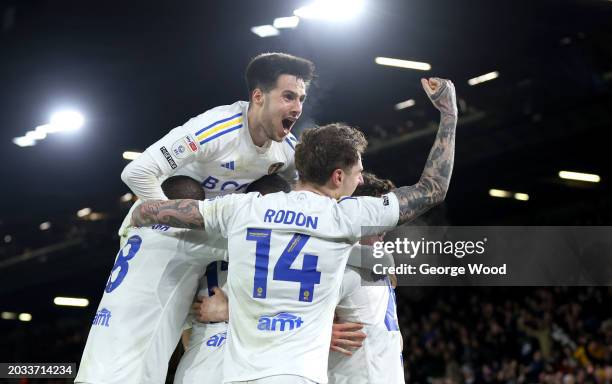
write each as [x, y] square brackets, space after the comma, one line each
[202, 362]
[216, 149]
[144, 306]
[379, 359]
[287, 253]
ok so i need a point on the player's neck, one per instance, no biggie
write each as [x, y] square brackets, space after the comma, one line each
[318, 189]
[258, 135]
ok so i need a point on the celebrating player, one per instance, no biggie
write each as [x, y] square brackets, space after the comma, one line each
[147, 298]
[378, 361]
[227, 147]
[279, 310]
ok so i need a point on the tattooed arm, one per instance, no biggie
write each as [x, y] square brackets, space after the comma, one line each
[433, 184]
[174, 213]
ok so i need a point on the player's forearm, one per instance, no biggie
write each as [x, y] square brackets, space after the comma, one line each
[435, 179]
[174, 213]
[142, 177]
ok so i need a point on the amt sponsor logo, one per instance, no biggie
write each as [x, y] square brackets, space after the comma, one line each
[217, 340]
[281, 322]
[102, 317]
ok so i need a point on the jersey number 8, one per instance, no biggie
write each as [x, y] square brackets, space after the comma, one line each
[122, 263]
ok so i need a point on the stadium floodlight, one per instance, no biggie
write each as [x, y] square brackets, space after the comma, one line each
[388, 61]
[25, 317]
[265, 30]
[483, 78]
[521, 196]
[499, 193]
[45, 226]
[129, 155]
[8, 315]
[286, 22]
[331, 10]
[70, 301]
[83, 212]
[66, 121]
[127, 197]
[579, 176]
[36, 134]
[23, 141]
[404, 104]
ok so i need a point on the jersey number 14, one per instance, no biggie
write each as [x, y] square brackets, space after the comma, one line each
[308, 276]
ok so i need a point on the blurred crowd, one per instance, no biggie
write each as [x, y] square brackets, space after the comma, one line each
[507, 335]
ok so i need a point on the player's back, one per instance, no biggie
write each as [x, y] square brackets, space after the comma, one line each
[144, 306]
[287, 254]
[372, 303]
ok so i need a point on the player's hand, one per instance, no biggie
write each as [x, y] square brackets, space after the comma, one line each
[211, 309]
[441, 92]
[346, 337]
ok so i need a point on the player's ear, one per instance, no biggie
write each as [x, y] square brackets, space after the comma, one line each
[257, 96]
[337, 177]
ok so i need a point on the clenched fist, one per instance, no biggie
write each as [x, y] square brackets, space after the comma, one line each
[441, 92]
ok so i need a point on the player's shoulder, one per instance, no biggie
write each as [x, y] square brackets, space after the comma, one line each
[223, 122]
[287, 146]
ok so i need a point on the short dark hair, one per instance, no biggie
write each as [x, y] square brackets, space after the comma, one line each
[324, 149]
[269, 184]
[263, 70]
[183, 187]
[373, 186]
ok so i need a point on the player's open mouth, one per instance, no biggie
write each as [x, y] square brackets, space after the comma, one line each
[288, 123]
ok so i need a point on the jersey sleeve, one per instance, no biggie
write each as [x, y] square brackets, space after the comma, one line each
[371, 215]
[219, 213]
[179, 147]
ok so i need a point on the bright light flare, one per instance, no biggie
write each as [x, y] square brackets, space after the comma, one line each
[521, 196]
[36, 135]
[331, 10]
[83, 212]
[286, 22]
[388, 61]
[486, 77]
[66, 121]
[265, 30]
[404, 104]
[127, 197]
[45, 226]
[24, 141]
[129, 155]
[70, 301]
[579, 176]
[499, 193]
[25, 317]
[8, 316]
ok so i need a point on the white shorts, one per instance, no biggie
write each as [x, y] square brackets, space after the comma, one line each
[202, 362]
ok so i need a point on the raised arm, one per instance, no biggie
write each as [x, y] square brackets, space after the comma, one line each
[435, 179]
[174, 213]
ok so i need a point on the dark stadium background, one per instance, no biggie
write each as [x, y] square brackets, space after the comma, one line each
[137, 69]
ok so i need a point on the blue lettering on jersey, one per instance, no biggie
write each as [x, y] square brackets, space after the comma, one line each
[160, 227]
[217, 340]
[290, 217]
[102, 317]
[281, 322]
[211, 183]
